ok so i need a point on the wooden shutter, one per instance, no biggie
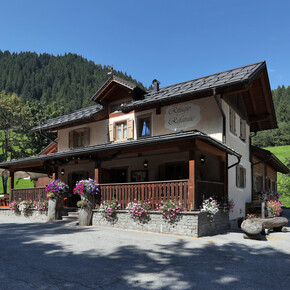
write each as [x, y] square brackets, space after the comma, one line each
[232, 121]
[244, 177]
[238, 176]
[130, 129]
[111, 131]
[71, 139]
[243, 129]
[86, 136]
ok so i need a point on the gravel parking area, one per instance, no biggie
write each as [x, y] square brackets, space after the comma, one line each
[55, 256]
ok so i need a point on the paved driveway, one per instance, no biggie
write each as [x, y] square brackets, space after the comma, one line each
[54, 256]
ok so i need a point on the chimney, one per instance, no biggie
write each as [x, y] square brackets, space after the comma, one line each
[156, 83]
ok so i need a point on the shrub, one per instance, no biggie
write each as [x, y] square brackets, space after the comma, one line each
[170, 209]
[41, 205]
[82, 203]
[211, 206]
[109, 208]
[14, 205]
[139, 210]
[274, 207]
[25, 205]
[55, 188]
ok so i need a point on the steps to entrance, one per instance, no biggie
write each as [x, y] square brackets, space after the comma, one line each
[72, 217]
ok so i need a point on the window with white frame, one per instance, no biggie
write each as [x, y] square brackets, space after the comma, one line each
[122, 130]
[240, 176]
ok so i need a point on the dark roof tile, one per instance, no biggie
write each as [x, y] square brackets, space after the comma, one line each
[82, 114]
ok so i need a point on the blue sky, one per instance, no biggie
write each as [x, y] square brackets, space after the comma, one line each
[172, 41]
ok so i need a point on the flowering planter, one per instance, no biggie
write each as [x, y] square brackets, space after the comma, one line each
[85, 215]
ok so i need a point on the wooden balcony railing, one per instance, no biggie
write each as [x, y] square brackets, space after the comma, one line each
[154, 192]
[34, 194]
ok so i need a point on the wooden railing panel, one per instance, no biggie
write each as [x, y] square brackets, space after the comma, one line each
[34, 194]
[146, 191]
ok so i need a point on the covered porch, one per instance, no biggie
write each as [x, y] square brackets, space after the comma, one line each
[187, 167]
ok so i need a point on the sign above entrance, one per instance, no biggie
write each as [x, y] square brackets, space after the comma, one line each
[181, 117]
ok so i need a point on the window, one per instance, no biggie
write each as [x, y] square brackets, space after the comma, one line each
[232, 121]
[144, 127]
[120, 131]
[241, 177]
[79, 138]
[243, 130]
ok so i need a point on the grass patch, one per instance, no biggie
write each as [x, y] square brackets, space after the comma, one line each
[282, 152]
[19, 183]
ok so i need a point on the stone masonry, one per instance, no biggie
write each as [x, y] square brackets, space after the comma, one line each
[195, 223]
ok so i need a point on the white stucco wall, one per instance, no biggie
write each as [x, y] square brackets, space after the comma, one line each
[239, 195]
[204, 113]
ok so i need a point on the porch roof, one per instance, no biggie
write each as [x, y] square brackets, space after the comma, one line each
[194, 134]
[270, 159]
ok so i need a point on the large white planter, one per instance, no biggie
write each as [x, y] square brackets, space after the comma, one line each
[85, 215]
[52, 210]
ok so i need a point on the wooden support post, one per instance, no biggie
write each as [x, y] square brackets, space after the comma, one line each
[97, 175]
[11, 185]
[191, 182]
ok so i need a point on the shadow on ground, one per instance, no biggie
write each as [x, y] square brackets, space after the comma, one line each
[27, 263]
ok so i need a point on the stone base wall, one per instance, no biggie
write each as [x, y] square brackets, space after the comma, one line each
[32, 214]
[195, 224]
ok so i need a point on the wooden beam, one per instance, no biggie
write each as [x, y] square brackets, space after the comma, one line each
[258, 118]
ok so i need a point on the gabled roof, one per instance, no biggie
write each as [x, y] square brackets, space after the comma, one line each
[249, 83]
[122, 145]
[227, 78]
[107, 85]
[269, 158]
[77, 116]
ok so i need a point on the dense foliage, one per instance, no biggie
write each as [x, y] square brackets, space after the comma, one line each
[280, 136]
[70, 80]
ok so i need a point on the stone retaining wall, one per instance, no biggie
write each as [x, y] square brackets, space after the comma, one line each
[33, 214]
[195, 224]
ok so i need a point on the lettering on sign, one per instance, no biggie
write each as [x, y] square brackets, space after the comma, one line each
[181, 117]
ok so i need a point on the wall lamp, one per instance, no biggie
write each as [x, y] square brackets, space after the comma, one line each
[145, 164]
[202, 158]
[62, 172]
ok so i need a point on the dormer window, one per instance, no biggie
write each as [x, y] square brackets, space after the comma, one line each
[122, 130]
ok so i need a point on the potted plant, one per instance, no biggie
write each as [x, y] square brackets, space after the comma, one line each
[54, 190]
[274, 208]
[86, 189]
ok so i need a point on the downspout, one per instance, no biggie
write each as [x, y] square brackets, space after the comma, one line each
[222, 113]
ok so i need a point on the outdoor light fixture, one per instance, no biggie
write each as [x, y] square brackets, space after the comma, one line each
[62, 172]
[145, 164]
[202, 158]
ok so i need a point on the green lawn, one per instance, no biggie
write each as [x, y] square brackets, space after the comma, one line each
[281, 152]
[19, 183]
